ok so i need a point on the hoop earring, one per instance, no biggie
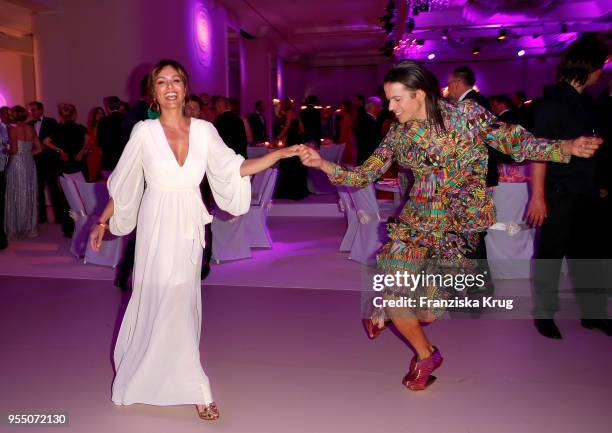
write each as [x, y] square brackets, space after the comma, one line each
[154, 114]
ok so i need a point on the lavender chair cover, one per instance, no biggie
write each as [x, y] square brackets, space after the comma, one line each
[318, 183]
[371, 229]
[229, 239]
[80, 236]
[346, 205]
[75, 177]
[256, 220]
[95, 197]
[256, 152]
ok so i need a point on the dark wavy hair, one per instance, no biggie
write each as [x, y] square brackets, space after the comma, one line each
[415, 77]
[583, 57]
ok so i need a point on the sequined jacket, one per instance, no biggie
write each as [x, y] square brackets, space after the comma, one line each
[449, 193]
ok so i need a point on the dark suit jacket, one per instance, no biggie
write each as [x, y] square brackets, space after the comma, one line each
[110, 139]
[47, 129]
[232, 132]
[311, 119]
[258, 128]
[367, 137]
[479, 98]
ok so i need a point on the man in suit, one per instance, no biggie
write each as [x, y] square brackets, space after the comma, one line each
[230, 126]
[501, 106]
[4, 143]
[461, 86]
[368, 129]
[257, 120]
[47, 163]
[109, 134]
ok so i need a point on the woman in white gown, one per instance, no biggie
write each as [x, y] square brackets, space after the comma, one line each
[155, 187]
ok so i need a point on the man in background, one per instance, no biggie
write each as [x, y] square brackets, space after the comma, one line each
[109, 134]
[257, 120]
[230, 126]
[47, 163]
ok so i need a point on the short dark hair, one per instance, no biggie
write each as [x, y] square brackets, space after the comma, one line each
[583, 57]
[195, 98]
[465, 74]
[20, 113]
[113, 102]
[37, 104]
[360, 98]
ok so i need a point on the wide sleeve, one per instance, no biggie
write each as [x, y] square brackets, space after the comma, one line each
[373, 167]
[514, 140]
[232, 192]
[126, 184]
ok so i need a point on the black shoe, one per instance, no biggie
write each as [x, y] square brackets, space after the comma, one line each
[604, 325]
[547, 328]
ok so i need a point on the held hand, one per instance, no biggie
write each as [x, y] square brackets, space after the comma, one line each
[288, 152]
[96, 236]
[584, 147]
[310, 157]
[536, 211]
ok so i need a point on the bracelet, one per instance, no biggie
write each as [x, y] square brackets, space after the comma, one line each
[101, 224]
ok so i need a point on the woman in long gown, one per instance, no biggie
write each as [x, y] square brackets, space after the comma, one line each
[445, 146]
[292, 175]
[21, 210]
[156, 355]
[93, 153]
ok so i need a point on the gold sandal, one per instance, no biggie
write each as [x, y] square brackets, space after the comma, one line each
[210, 412]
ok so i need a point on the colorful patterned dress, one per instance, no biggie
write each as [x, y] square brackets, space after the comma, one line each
[449, 202]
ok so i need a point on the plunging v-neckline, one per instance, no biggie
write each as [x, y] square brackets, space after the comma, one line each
[170, 147]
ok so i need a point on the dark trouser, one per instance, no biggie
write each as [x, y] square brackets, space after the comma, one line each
[47, 175]
[573, 230]
[3, 242]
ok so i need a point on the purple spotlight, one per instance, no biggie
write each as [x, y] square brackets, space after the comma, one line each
[431, 56]
[521, 53]
[202, 35]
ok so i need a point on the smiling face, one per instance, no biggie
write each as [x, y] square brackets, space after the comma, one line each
[169, 88]
[405, 103]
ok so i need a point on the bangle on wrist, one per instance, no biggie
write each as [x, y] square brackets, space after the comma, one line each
[101, 224]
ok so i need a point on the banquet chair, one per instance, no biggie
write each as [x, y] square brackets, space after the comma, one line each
[256, 152]
[346, 205]
[318, 183]
[371, 228]
[256, 220]
[80, 236]
[258, 183]
[95, 197]
[75, 177]
[229, 240]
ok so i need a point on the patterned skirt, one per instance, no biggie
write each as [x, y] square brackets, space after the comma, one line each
[428, 267]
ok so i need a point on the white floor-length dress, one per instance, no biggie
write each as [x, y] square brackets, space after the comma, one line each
[156, 356]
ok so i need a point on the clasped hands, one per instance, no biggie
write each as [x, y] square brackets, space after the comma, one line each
[308, 156]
